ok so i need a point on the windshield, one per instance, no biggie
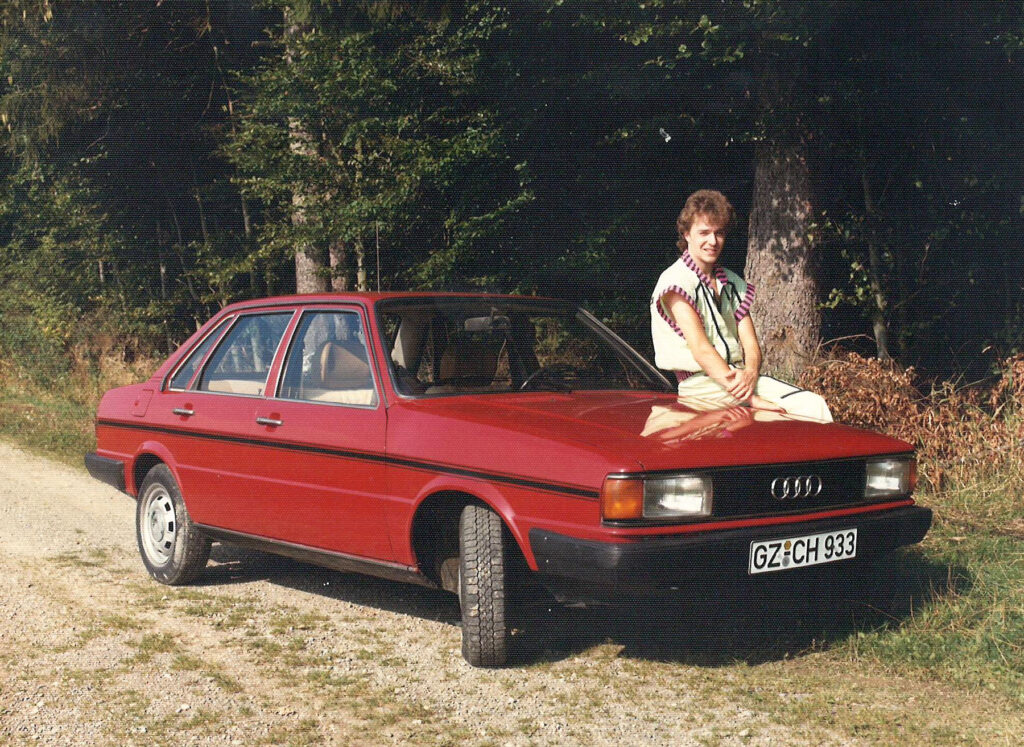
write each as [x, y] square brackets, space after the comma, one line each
[491, 345]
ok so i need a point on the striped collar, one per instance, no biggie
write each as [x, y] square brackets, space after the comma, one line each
[719, 272]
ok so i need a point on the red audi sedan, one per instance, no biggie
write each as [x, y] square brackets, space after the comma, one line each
[481, 444]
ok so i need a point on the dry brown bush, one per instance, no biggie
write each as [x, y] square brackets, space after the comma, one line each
[91, 376]
[961, 434]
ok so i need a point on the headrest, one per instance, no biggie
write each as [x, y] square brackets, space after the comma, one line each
[471, 359]
[343, 365]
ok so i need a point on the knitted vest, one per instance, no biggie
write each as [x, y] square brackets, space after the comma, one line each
[721, 319]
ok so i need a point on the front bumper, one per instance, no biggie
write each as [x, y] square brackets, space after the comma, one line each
[110, 471]
[605, 570]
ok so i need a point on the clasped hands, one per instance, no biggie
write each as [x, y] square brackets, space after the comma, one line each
[739, 382]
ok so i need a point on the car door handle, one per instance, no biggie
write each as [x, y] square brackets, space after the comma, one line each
[185, 413]
[269, 421]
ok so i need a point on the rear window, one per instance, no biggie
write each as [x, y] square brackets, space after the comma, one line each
[184, 374]
[242, 362]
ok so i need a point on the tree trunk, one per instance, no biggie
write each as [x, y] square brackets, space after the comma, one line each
[361, 278]
[339, 266]
[311, 261]
[357, 246]
[878, 300]
[780, 259]
[311, 275]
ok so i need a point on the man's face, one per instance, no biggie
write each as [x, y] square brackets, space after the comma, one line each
[705, 241]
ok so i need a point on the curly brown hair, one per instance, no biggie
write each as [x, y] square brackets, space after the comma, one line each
[709, 203]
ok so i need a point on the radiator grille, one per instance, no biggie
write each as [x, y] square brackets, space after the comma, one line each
[748, 491]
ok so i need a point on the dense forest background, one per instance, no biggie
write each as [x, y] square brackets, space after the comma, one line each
[160, 159]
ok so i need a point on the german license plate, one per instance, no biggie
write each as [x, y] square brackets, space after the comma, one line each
[800, 552]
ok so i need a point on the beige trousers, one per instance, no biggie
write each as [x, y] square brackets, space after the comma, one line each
[701, 392]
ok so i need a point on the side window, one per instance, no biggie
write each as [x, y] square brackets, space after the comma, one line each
[241, 363]
[328, 361]
[184, 374]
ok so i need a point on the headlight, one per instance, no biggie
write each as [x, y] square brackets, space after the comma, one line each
[632, 498]
[887, 477]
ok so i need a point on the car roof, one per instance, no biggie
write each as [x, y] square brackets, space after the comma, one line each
[370, 298]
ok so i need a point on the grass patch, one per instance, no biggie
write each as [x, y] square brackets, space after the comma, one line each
[83, 637]
[224, 681]
[264, 648]
[51, 412]
[121, 622]
[187, 663]
[287, 620]
[48, 423]
[150, 645]
[971, 633]
[157, 643]
[95, 557]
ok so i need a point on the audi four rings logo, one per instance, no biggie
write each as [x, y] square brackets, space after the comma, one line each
[797, 486]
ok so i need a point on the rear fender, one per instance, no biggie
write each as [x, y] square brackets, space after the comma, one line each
[148, 449]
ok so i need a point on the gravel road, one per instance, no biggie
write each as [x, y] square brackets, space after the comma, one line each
[264, 650]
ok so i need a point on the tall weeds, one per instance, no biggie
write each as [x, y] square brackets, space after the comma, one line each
[968, 438]
[50, 407]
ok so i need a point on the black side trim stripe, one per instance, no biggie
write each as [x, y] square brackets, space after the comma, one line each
[363, 456]
[327, 558]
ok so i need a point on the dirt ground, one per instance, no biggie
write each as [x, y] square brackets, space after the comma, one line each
[268, 651]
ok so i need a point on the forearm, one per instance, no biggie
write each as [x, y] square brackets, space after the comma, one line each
[687, 320]
[751, 346]
[710, 360]
[752, 359]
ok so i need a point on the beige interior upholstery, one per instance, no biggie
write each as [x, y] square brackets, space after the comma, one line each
[468, 364]
[469, 360]
[344, 376]
[343, 366]
[344, 396]
[236, 386]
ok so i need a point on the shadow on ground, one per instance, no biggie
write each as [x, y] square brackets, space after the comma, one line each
[230, 564]
[753, 623]
[711, 625]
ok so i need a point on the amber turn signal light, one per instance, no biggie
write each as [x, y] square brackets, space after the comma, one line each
[622, 499]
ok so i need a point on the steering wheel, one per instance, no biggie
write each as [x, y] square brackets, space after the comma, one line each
[559, 370]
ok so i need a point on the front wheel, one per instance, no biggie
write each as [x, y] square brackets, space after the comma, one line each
[482, 587]
[173, 549]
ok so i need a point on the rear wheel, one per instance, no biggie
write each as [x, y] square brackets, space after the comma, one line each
[173, 549]
[482, 587]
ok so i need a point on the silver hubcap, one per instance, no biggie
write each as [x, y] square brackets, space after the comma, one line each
[159, 525]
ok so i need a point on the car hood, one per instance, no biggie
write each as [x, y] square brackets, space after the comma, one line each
[660, 431]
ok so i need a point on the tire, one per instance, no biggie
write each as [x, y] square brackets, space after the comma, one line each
[173, 549]
[482, 587]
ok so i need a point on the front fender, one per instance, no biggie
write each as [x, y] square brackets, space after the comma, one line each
[481, 490]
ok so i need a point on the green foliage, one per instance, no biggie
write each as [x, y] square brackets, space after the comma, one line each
[541, 147]
[51, 241]
[371, 132]
[101, 105]
[39, 100]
